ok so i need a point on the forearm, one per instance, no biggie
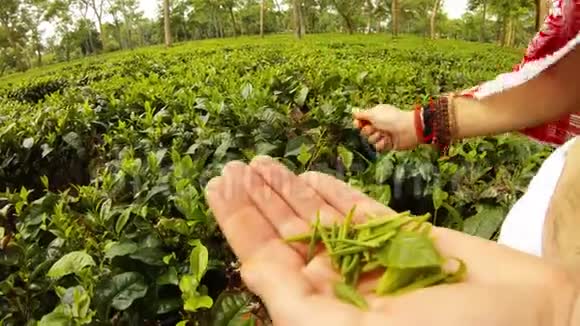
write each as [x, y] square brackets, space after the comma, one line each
[545, 98]
[575, 317]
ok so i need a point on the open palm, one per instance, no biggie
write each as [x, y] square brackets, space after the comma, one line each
[260, 204]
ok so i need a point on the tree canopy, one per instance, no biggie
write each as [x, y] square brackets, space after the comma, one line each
[88, 27]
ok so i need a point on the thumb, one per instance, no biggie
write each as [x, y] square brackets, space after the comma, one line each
[363, 115]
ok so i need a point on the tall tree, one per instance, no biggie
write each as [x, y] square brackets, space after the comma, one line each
[262, 11]
[348, 10]
[36, 11]
[434, 11]
[297, 18]
[480, 4]
[99, 8]
[167, 20]
[129, 11]
[369, 9]
[230, 5]
[395, 17]
[381, 13]
[509, 13]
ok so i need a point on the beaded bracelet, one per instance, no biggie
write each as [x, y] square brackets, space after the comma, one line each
[435, 123]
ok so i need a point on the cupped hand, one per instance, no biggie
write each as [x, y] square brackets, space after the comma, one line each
[387, 127]
[260, 204]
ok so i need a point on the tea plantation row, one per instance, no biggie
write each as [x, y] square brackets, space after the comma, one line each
[103, 164]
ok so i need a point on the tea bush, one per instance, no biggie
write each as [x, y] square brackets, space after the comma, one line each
[103, 163]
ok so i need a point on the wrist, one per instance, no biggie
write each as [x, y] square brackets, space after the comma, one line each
[435, 123]
[413, 133]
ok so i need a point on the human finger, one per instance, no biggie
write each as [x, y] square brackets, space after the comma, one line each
[368, 130]
[384, 144]
[243, 225]
[303, 200]
[376, 136]
[276, 210]
[344, 198]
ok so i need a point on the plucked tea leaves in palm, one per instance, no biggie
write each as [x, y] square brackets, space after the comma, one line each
[399, 247]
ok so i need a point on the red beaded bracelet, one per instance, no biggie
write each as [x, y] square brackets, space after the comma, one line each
[419, 124]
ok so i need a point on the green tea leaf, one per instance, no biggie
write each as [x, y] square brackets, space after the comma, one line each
[57, 317]
[169, 277]
[222, 149]
[394, 278]
[195, 303]
[384, 169]
[302, 95]
[123, 248]
[486, 222]
[439, 197]
[12, 255]
[122, 290]
[230, 308]
[304, 156]
[193, 300]
[247, 91]
[265, 148]
[74, 140]
[294, 146]
[71, 263]
[168, 305]
[349, 294]
[151, 256]
[346, 157]
[123, 219]
[410, 250]
[198, 260]
[174, 224]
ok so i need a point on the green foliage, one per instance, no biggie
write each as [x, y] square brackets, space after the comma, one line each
[103, 164]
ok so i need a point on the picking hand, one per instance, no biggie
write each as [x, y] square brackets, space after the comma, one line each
[259, 204]
[387, 127]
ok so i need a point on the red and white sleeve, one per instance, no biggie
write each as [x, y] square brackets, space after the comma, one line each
[560, 34]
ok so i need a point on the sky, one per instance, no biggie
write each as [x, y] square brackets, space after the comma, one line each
[453, 8]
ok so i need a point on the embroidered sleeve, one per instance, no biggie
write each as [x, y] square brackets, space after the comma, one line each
[559, 35]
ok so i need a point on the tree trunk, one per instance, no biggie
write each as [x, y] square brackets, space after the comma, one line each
[347, 20]
[542, 11]
[128, 30]
[91, 45]
[262, 8]
[483, 19]
[349, 25]
[102, 36]
[39, 54]
[302, 20]
[297, 19]
[234, 22]
[513, 34]
[508, 31]
[167, 20]
[395, 17]
[434, 17]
